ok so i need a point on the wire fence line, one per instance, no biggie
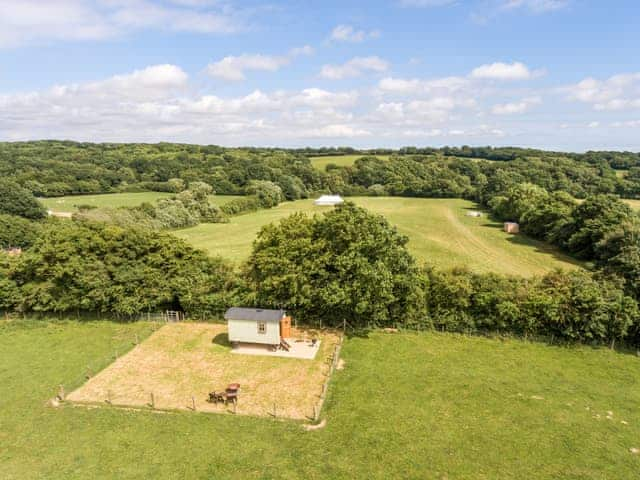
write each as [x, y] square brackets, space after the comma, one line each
[97, 365]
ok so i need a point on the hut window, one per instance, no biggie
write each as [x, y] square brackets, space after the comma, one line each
[262, 327]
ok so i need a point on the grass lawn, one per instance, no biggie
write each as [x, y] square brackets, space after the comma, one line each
[114, 200]
[405, 406]
[438, 229]
[633, 203]
[342, 160]
[185, 360]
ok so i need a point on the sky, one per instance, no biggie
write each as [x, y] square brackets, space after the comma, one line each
[552, 74]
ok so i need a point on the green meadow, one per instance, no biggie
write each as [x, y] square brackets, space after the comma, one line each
[341, 160]
[439, 233]
[408, 405]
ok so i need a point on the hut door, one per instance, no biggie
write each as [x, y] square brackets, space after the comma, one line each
[285, 327]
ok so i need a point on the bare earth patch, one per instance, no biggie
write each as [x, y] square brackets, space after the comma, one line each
[182, 360]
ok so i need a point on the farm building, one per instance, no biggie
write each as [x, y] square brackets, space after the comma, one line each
[511, 227]
[257, 325]
[474, 213]
[329, 200]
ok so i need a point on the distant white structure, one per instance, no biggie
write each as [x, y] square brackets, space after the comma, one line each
[511, 227]
[329, 200]
[474, 213]
[60, 214]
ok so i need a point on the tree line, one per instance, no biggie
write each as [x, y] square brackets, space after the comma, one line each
[346, 265]
[54, 168]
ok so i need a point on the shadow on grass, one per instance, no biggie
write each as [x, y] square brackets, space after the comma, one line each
[222, 339]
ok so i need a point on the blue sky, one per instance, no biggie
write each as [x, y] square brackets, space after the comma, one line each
[556, 74]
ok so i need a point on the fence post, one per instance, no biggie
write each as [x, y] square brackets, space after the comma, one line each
[275, 411]
[315, 412]
[193, 402]
[109, 397]
[153, 401]
[61, 395]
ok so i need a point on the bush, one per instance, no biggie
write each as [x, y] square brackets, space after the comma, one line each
[88, 266]
[241, 205]
[268, 193]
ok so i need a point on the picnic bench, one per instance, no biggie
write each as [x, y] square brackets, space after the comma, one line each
[226, 396]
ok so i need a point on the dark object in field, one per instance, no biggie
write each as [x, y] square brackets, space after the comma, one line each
[284, 345]
[215, 397]
[314, 342]
[229, 395]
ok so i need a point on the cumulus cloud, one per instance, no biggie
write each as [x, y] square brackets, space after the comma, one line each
[619, 92]
[502, 71]
[354, 68]
[511, 108]
[36, 21]
[155, 103]
[159, 102]
[414, 86]
[232, 68]
[346, 33]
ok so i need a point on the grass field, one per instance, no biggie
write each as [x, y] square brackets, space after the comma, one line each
[341, 160]
[438, 229]
[633, 203]
[185, 360]
[114, 200]
[405, 406]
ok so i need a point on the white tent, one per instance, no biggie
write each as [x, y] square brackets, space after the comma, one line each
[329, 200]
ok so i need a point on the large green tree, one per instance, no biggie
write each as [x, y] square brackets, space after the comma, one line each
[348, 264]
[15, 200]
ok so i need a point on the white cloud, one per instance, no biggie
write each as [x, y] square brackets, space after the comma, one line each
[511, 108]
[490, 9]
[619, 92]
[354, 68]
[626, 124]
[156, 103]
[338, 131]
[318, 98]
[36, 21]
[434, 132]
[232, 68]
[414, 86]
[502, 71]
[593, 124]
[346, 33]
[536, 6]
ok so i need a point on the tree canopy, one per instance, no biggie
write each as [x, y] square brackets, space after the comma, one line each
[18, 201]
[348, 264]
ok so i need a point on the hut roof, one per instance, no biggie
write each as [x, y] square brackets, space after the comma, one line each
[256, 314]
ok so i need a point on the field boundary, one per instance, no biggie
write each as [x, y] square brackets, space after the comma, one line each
[150, 388]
